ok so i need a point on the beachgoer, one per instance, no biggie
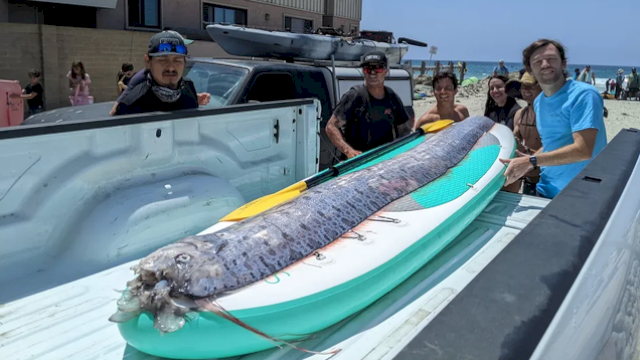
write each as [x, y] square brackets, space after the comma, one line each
[587, 76]
[619, 80]
[500, 69]
[634, 84]
[124, 76]
[162, 87]
[445, 88]
[368, 115]
[524, 126]
[569, 118]
[79, 81]
[33, 93]
[577, 73]
[500, 107]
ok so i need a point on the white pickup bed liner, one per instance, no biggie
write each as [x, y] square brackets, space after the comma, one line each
[70, 321]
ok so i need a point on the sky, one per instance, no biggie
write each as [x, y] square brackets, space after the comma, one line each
[483, 30]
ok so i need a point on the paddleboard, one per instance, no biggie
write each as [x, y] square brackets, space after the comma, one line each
[350, 273]
[11, 110]
[241, 41]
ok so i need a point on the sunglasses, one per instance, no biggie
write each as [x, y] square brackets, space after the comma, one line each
[372, 70]
[165, 48]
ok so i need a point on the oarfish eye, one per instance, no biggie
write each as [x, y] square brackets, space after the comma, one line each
[183, 258]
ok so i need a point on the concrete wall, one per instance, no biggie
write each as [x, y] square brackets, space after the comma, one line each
[338, 22]
[349, 9]
[101, 51]
[4, 10]
[112, 18]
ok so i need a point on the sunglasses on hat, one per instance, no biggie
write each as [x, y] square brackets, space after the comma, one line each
[170, 48]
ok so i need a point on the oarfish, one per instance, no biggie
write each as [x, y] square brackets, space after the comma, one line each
[203, 267]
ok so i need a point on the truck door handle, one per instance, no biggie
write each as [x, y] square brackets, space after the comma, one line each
[277, 133]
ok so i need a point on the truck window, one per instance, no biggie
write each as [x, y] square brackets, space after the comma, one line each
[221, 81]
[272, 87]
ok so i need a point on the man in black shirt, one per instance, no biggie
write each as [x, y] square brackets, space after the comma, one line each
[163, 88]
[368, 115]
[33, 93]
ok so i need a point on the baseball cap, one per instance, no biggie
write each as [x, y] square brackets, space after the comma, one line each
[186, 41]
[374, 58]
[167, 42]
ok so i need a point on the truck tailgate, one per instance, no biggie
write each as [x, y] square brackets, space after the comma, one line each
[70, 321]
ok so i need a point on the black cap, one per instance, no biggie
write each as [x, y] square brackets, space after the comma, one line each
[167, 37]
[374, 58]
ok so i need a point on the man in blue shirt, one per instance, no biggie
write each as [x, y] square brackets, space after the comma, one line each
[569, 119]
[500, 69]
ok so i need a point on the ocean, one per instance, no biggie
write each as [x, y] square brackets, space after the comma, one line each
[482, 69]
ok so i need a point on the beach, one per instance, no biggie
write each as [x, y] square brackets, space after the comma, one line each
[622, 113]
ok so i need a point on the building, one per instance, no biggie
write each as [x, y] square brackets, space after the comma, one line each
[50, 34]
[291, 15]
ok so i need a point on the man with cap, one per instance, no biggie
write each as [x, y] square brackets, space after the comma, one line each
[524, 125]
[500, 69]
[370, 114]
[160, 87]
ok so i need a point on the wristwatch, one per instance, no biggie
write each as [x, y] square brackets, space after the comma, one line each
[533, 161]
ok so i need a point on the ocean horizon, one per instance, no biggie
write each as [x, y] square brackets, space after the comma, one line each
[482, 69]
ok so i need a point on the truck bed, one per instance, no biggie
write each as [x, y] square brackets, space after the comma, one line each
[70, 321]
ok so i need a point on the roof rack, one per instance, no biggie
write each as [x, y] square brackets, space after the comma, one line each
[316, 62]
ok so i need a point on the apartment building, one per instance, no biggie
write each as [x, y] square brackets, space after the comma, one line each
[136, 15]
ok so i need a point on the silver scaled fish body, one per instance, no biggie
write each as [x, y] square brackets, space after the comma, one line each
[198, 267]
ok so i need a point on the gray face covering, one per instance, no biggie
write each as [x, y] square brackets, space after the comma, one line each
[163, 93]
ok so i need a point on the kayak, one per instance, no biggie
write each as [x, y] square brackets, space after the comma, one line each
[241, 41]
[351, 272]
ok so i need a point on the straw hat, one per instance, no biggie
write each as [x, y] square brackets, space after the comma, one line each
[512, 87]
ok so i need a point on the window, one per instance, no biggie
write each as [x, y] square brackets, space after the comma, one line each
[298, 25]
[221, 81]
[272, 87]
[144, 13]
[212, 14]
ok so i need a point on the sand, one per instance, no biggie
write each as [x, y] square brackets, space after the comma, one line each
[622, 113]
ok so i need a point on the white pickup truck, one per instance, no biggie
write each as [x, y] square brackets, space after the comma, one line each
[80, 201]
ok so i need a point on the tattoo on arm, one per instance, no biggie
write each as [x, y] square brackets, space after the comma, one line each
[335, 135]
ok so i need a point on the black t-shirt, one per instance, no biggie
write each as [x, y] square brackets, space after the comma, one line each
[36, 102]
[505, 115]
[369, 127]
[135, 103]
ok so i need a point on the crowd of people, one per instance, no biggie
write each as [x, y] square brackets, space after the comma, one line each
[558, 132]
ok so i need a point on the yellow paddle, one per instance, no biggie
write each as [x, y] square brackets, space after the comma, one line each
[268, 201]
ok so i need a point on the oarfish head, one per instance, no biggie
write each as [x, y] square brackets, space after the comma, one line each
[190, 266]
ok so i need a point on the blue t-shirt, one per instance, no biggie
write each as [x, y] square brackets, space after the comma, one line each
[576, 106]
[501, 70]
